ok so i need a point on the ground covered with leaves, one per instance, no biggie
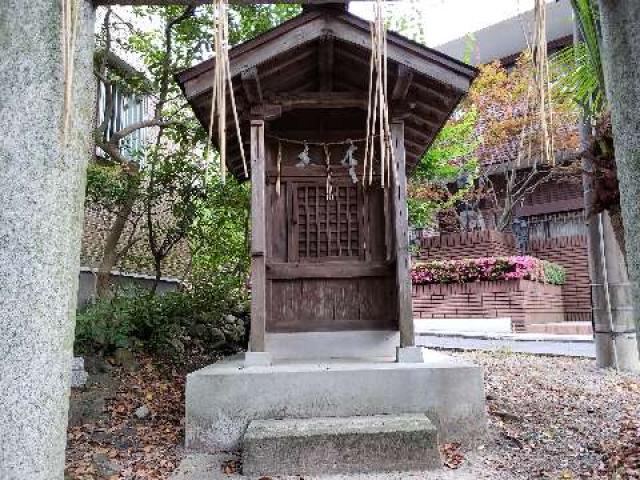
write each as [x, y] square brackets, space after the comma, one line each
[549, 418]
[560, 418]
[128, 423]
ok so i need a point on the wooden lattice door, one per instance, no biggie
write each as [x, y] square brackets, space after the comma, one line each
[325, 228]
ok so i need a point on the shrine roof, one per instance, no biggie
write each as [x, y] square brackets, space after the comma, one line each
[317, 66]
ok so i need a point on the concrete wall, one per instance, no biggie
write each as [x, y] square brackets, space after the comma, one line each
[87, 280]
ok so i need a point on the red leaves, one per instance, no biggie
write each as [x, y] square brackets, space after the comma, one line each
[452, 456]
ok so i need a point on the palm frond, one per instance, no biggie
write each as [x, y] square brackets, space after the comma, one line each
[578, 68]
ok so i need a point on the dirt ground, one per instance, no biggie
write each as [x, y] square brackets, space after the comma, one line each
[549, 418]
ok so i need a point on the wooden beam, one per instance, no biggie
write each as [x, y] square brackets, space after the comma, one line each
[284, 271]
[258, 239]
[325, 63]
[251, 85]
[432, 64]
[320, 100]
[402, 84]
[265, 112]
[401, 231]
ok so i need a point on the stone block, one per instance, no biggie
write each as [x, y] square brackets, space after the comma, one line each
[222, 399]
[78, 373]
[317, 446]
[257, 359]
[410, 355]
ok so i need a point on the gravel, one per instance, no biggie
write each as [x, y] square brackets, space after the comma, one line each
[559, 418]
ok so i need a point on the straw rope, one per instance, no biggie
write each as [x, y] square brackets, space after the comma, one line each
[221, 81]
[70, 14]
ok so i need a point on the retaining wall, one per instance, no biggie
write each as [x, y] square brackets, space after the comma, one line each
[524, 301]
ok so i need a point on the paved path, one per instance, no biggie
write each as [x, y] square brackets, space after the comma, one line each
[545, 344]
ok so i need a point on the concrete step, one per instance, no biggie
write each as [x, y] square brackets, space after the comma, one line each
[340, 445]
[561, 328]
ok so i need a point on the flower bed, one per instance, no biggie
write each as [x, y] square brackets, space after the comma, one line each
[487, 269]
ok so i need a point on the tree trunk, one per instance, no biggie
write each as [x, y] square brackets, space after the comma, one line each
[110, 253]
[157, 266]
[620, 21]
[42, 184]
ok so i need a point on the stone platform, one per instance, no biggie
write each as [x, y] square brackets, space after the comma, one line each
[222, 399]
[338, 445]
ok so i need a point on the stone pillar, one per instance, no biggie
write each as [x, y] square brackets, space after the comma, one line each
[42, 185]
[612, 301]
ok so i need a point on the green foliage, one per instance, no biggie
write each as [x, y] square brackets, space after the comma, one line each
[451, 157]
[451, 154]
[174, 324]
[578, 68]
[107, 185]
[248, 21]
[554, 274]
[219, 240]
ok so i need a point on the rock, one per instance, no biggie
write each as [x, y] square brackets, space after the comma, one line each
[104, 466]
[142, 412]
[78, 373]
[198, 330]
[96, 364]
[86, 406]
[125, 358]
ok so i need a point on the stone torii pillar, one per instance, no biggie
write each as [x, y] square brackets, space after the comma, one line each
[42, 183]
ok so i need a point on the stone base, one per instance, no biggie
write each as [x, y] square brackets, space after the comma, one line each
[349, 344]
[222, 399]
[338, 445]
[410, 355]
[257, 359]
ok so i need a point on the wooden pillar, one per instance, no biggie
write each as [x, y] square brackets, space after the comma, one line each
[401, 235]
[258, 238]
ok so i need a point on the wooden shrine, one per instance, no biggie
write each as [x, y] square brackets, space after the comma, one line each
[329, 248]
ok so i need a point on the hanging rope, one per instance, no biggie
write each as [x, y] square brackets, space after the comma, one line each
[292, 141]
[222, 80]
[279, 167]
[329, 183]
[538, 103]
[378, 109]
[70, 14]
[543, 79]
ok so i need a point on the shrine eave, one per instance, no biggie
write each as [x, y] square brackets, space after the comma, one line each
[319, 61]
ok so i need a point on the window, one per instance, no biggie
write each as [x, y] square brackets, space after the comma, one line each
[127, 109]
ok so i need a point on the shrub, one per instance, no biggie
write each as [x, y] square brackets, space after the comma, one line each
[489, 268]
[554, 274]
[172, 324]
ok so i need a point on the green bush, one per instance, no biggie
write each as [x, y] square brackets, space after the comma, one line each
[173, 323]
[554, 274]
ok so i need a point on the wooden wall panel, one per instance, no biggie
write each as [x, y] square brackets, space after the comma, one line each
[317, 305]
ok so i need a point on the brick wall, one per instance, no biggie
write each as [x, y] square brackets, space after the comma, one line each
[139, 259]
[570, 252]
[456, 246]
[524, 301]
